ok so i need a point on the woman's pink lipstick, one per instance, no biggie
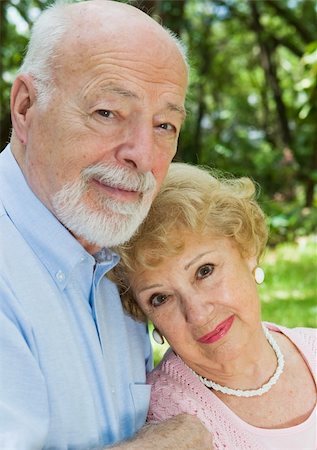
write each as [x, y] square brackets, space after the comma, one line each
[220, 331]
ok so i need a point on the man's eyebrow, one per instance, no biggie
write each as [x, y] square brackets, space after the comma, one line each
[119, 90]
[173, 107]
[177, 108]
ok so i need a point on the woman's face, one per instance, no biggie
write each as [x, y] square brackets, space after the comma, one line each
[204, 300]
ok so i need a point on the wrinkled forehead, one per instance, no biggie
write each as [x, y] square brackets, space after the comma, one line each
[117, 28]
[105, 47]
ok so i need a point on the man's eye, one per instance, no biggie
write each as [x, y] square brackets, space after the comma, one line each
[158, 299]
[205, 270]
[167, 126]
[105, 113]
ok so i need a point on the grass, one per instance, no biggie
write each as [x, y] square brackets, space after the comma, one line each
[289, 292]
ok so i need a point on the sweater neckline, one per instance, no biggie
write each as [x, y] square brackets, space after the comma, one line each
[198, 389]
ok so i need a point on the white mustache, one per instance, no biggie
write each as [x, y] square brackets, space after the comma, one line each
[120, 177]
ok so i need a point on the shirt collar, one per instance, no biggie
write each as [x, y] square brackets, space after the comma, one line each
[58, 250]
[105, 261]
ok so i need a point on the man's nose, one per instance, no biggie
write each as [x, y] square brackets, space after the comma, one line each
[138, 149]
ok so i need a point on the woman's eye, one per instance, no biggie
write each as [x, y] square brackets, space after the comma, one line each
[158, 299]
[205, 270]
[105, 113]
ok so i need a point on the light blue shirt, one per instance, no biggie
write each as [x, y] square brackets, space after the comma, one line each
[72, 364]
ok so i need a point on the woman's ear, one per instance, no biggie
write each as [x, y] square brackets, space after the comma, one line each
[252, 262]
[23, 96]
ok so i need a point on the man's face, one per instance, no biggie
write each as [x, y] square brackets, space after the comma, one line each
[114, 111]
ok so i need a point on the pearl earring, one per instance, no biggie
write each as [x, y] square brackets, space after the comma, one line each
[259, 275]
[158, 338]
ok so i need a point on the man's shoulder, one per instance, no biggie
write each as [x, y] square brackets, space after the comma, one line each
[10, 238]
[2, 210]
[19, 267]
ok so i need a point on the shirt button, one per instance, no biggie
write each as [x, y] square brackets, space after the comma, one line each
[60, 276]
[82, 259]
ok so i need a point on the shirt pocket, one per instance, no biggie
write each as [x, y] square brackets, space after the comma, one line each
[141, 399]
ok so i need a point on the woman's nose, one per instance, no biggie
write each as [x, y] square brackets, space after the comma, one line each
[198, 310]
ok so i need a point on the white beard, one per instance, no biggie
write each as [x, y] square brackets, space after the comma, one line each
[108, 222]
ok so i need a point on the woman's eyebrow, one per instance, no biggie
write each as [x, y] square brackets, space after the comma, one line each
[193, 261]
[151, 286]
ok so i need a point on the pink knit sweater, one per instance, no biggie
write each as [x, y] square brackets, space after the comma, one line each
[176, 390]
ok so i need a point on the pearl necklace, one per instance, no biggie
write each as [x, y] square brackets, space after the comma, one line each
[252, 392]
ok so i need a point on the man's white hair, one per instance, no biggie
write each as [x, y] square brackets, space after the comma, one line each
[47, 32]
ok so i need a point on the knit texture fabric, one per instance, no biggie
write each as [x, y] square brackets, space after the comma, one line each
[176, 390]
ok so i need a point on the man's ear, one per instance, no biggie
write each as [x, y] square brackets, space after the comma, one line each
[23, 96]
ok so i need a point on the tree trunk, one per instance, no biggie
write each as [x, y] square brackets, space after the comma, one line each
[310, 182]
[271, 75]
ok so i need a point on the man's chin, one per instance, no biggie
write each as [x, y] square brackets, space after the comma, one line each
[96, 237]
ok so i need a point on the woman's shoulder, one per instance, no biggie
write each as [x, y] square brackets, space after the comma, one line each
[169, 369]
[169, 395]
[305, 339]
[304, 334]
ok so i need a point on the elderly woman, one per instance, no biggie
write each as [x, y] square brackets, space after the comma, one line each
[192, 270]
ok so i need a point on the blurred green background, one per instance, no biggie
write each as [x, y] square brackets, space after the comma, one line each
[252, 111]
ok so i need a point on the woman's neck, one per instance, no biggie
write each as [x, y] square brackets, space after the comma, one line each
[251, 368]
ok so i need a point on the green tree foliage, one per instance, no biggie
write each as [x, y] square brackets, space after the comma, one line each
[252, 104]
[252, 108]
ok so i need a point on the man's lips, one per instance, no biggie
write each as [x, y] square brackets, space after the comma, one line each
[216, 334]
[120, 193]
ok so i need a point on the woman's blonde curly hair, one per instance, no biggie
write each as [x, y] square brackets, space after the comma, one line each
[191, 199]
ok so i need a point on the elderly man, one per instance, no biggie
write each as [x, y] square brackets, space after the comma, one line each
[96, 110]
